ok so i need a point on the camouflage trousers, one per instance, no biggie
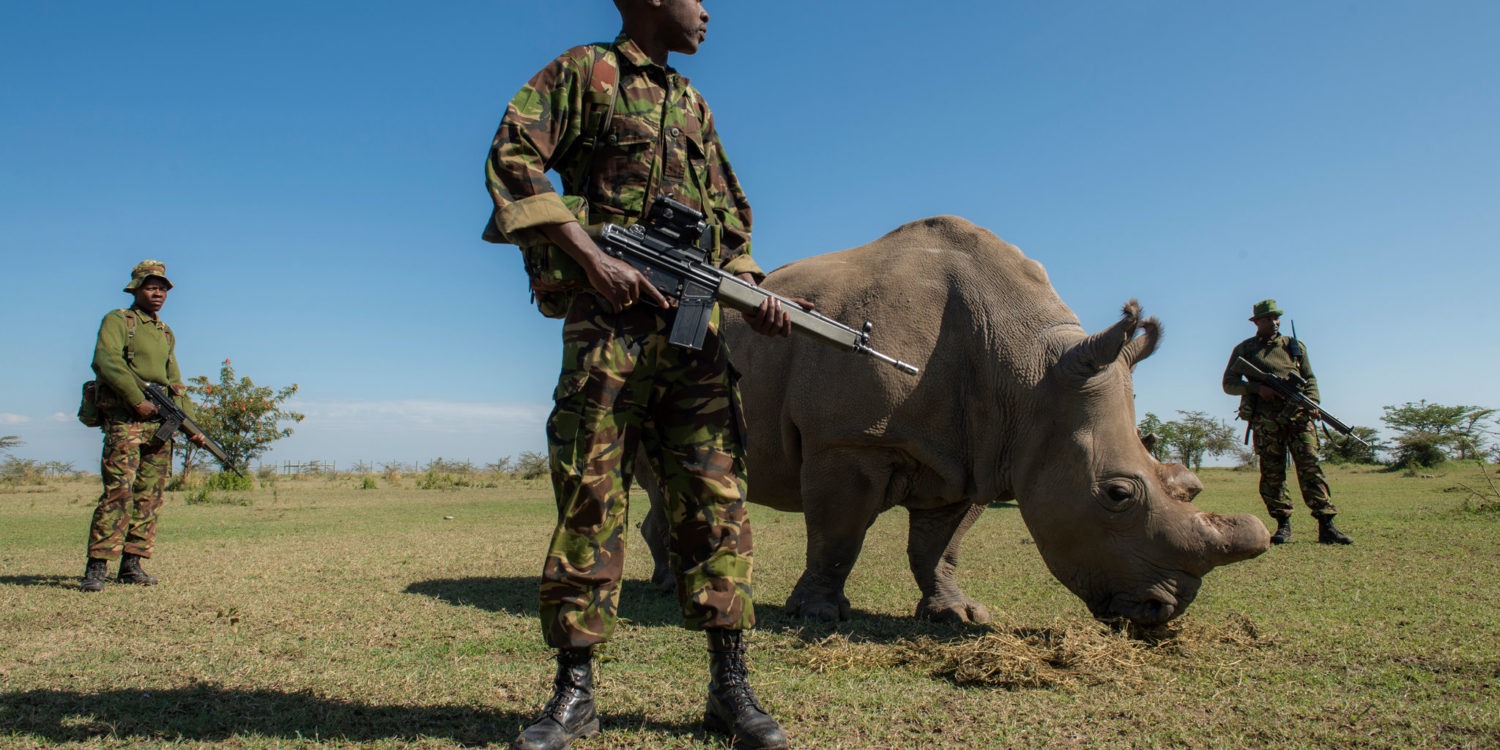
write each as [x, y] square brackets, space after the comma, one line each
[1274, 441]
[135, 472]
[624, 387]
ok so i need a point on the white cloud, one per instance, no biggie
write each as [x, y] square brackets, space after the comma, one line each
[58, 416]
[10, 419]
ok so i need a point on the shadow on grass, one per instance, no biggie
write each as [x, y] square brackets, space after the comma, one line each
[44, 581]
[643, 604]
[208, 713]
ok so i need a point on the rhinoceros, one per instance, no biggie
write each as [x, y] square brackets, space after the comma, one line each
[1015, 401]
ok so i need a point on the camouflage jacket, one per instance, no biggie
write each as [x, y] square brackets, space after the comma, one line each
[147, 348]
[660, 140]
[1274, 356]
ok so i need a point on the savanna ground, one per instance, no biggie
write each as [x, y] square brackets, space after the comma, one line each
[320, 613]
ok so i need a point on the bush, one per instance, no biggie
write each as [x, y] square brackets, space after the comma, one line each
[533, 465]
[21, 471]
[433, 479]
[206, 495]
[1423, 450]
[1484, 499]
[230, 482]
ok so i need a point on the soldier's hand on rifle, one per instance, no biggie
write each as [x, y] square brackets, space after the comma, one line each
[146, 409]
[198, 440]
[621, 284]
[770, 319]
[618, 282]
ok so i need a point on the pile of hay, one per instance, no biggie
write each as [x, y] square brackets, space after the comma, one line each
[1017, 657]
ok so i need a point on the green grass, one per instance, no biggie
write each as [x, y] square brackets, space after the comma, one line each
[323, 614]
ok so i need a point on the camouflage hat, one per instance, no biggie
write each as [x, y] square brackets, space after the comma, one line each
[1264, 309]
[146, 269]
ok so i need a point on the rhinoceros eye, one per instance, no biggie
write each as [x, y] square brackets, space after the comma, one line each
[1119, 494]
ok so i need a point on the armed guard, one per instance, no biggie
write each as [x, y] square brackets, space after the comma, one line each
[621, 128]
[134, 345]
[1281, 427]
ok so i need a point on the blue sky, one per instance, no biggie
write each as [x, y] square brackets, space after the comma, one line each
[311, 173]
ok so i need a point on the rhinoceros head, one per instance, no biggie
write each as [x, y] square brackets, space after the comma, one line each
[1113, 524]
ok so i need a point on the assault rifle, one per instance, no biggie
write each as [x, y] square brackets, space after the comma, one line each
[665, 247]
[1290, 388]
[174, 419]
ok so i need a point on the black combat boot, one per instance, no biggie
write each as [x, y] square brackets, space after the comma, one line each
[95, 574]
[570, 713]
[732, 707]
[1283, 531]
[130, 571]
[1329, 534]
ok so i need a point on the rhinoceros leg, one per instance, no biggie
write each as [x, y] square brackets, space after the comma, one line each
[654, 525]
[842, 492]
[932, 548]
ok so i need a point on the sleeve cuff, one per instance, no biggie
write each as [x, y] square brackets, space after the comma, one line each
[535, 211]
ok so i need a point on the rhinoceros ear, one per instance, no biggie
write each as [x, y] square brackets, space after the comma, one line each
[1141, 346]
[1091, 355]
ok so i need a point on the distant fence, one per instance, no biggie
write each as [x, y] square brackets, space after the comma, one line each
[309, 467]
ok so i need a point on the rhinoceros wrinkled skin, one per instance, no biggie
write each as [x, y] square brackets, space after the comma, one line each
[1015, 401]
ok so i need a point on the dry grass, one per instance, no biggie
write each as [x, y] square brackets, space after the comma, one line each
[321, 615]
[1015, 657]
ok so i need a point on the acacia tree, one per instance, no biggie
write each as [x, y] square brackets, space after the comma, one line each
[1472, 435]
[9, 441]
[1156, 435]
[1196, 435]
[243, 417]
[1429, 434]
[1340, 449]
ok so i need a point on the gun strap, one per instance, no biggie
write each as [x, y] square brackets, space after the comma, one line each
[129, 335]
[595, 123]
[130, 323]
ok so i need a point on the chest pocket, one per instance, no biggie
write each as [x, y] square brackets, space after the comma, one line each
[623, 163]
[697, 153]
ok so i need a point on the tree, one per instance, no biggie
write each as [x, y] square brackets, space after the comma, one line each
[1153, 433]
[59, 468]
[10, 441]
[1429, 434]
[532, 465]
[243, 417]
[1340, 449]
[1472, 436]
[1195, 436]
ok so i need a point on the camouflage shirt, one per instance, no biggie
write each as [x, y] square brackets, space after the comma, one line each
[148, 351]
[660, 140]
[1272, 356]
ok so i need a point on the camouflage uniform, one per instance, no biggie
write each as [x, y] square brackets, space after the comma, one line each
[619, 130]
[1281, 428]
[134, 467]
